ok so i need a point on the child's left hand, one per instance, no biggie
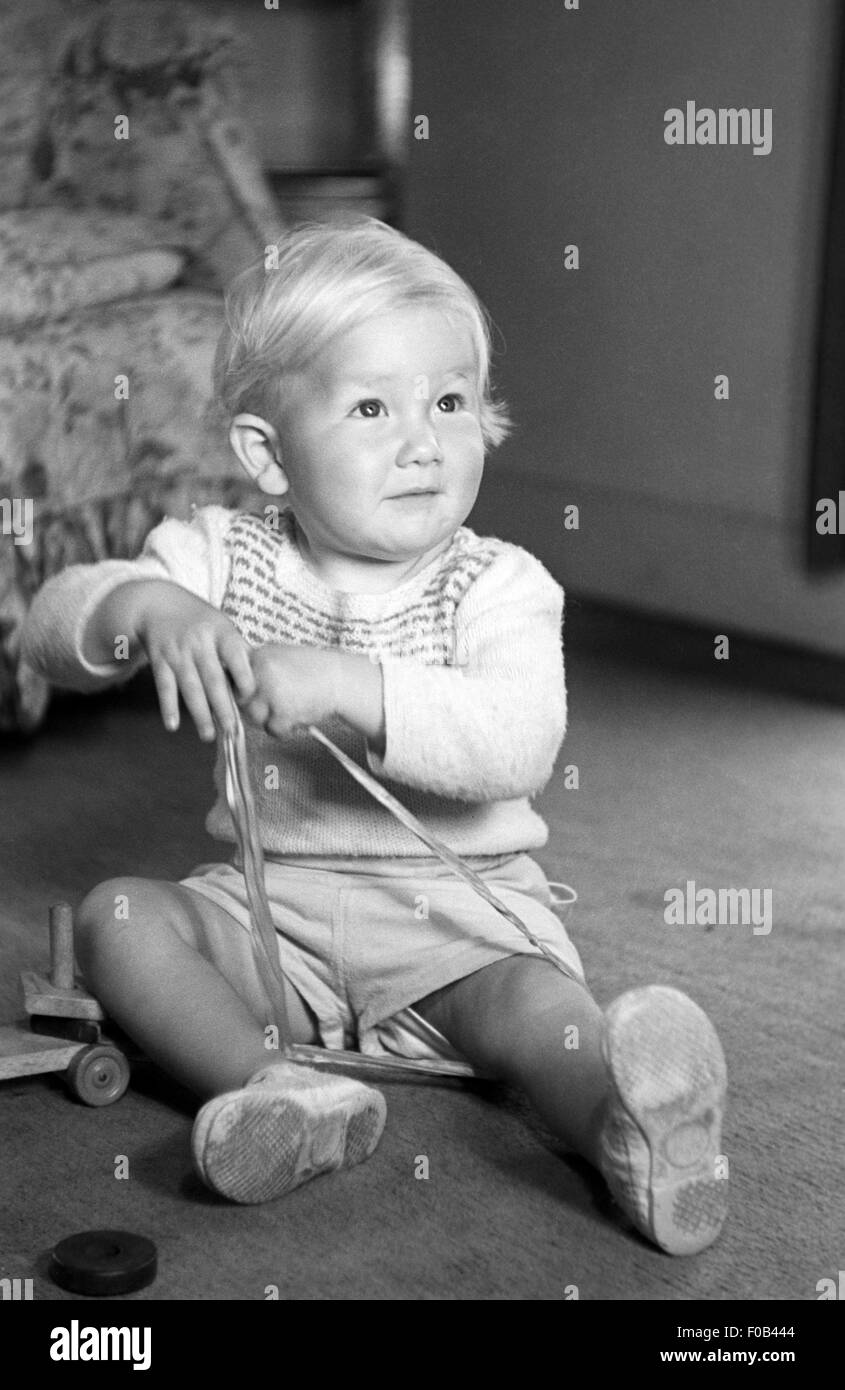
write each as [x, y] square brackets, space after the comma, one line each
[295, 687]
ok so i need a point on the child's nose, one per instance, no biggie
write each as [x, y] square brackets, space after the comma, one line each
[421, 444]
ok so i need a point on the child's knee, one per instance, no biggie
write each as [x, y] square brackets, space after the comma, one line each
[543, 1010]
[105, 914]
[503, 1016]
[525, 986]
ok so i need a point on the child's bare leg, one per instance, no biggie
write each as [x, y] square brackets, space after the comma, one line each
[517, 1019]
[147, 971]
[270, 1124]
[641, 1096]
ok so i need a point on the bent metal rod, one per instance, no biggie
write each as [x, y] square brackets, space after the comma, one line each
[264, 944]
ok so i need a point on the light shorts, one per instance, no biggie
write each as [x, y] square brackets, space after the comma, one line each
[363, 939]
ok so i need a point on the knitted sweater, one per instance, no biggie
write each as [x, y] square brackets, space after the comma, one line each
[472, 662]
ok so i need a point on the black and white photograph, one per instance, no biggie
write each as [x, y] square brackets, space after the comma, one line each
[422, 665]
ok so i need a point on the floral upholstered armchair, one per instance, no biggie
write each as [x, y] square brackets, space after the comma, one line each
[129, 195]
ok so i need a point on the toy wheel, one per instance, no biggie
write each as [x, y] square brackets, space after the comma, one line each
[98, 1075]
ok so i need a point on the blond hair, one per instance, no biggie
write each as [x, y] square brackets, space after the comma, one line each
[317, 282]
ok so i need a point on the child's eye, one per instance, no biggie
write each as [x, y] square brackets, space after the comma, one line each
[364, 407]
[453, 396]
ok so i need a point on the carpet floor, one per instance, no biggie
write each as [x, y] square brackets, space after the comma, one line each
[681, 777]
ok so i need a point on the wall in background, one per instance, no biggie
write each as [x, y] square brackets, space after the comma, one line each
[298, 67]
[546, 129]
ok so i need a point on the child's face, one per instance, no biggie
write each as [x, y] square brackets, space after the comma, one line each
[387, 409]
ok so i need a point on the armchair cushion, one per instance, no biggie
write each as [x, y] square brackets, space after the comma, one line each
[53, 261]
[105, 428]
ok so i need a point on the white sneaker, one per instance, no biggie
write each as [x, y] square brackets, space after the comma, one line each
[661, 1141]
[287, 1124]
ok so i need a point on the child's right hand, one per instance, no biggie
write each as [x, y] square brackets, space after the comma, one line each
[194, 650]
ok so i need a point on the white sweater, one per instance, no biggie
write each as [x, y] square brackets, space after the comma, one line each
[471, 654]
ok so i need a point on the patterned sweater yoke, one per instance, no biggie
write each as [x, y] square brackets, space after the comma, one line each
[271, 596]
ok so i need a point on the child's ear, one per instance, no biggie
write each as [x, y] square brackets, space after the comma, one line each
[256, 444]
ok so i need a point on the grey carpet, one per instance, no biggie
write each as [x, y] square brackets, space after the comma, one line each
[681, 777]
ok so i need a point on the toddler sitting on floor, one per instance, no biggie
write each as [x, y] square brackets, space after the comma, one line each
[355, 367]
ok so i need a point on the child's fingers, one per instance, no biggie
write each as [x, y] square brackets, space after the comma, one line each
[257, 711]
[193, 693]
[218, 691]
[234, 655]
[168, 694]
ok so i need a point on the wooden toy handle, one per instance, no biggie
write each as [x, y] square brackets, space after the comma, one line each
[61, 946]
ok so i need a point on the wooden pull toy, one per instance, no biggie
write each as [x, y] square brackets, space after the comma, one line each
[62, 1032]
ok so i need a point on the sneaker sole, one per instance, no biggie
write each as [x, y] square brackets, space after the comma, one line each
[676, 1096]
[257, 1144]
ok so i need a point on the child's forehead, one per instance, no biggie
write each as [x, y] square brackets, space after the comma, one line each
[411, 320]
[399, 342]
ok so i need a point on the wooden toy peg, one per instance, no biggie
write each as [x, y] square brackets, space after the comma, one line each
[61, 946]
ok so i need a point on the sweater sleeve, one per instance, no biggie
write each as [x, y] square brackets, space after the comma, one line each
[490, 728]
[189, 553]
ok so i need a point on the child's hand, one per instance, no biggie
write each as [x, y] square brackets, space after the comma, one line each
[193, 651]
[295, 687]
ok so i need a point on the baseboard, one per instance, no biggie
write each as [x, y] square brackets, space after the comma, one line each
[625, 635]
[730, 571]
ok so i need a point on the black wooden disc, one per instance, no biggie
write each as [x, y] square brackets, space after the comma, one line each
[104, 1263]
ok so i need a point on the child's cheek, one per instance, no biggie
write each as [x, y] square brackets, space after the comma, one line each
[463, 429]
